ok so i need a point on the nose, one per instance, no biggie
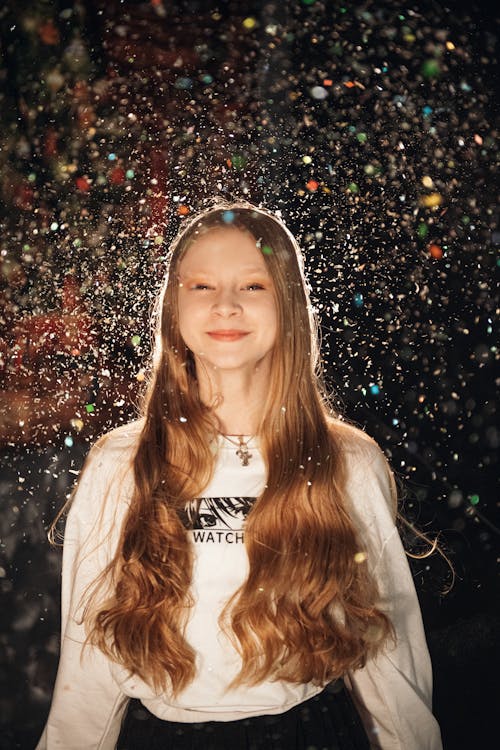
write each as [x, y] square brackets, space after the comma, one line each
[226, 303]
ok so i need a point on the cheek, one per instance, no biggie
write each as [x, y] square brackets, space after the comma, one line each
[185, 317]
[269, 315]
[188, 309]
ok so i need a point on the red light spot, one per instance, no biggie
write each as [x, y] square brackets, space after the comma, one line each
[82, 184]
[117, 176]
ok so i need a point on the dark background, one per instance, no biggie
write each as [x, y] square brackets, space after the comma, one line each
[373, 128]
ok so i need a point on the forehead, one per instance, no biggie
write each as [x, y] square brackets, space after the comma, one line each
[221, 244]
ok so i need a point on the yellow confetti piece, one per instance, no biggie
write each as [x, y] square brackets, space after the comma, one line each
[250, 23]
[432, 200]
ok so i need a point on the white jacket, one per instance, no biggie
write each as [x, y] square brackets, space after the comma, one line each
[392, 692]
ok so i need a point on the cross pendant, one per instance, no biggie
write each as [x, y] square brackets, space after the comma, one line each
[243, 454]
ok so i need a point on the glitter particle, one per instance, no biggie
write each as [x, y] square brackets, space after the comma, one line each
[250, 23]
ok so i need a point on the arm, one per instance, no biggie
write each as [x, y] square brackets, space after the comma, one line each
[87, 705]
[393, 692]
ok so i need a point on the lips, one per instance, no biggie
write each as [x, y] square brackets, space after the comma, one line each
[229, 335]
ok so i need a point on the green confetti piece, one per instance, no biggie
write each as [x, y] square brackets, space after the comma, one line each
[430, 69]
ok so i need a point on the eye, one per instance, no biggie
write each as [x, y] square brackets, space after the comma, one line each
[254, 287]
[200, 286]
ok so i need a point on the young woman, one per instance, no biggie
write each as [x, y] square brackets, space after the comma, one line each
[231, 562]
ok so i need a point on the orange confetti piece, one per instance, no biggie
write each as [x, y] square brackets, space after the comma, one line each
[312, 185]
[352, 84]
[183, 210]
[435, 251]
[327, 82]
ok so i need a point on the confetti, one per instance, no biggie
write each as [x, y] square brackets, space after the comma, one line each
[432, 200]
[431, 68]
[436, 251]
[360, 557]
[319, 92]
[370, 128]
[250, 23]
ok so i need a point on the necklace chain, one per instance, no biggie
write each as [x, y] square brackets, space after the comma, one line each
[243, 453]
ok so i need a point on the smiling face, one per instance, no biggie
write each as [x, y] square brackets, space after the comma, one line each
[226, 301]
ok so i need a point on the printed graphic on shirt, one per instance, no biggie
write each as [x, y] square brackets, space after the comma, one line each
[215, 520]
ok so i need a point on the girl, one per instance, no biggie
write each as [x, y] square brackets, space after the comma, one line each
[231, 562]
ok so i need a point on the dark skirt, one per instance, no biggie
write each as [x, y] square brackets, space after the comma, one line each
[329, 721]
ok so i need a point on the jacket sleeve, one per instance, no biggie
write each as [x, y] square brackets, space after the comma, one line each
[393, 692]
[87, 705]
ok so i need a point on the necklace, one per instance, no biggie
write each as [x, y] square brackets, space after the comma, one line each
[243, 453]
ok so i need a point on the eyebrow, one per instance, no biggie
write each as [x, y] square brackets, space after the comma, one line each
[208, 271]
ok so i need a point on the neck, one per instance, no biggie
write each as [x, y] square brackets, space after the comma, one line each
[239, 397]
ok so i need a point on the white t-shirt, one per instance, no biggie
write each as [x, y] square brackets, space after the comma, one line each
[392, 692]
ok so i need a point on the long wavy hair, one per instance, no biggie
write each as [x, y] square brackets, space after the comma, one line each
[308, 608]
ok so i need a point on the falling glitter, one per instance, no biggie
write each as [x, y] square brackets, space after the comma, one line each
[319, 92]
[369, 127]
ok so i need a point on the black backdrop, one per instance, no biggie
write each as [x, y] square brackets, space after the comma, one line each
[373, 129]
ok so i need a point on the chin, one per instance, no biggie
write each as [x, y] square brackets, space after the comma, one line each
[230, 364]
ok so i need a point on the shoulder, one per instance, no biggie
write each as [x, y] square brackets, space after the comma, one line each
[116, 447]
[105, 485]
[121, 438]
[368, 474]
[356, 445]
[109, 461]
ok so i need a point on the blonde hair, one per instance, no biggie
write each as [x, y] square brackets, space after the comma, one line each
[307, 610]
